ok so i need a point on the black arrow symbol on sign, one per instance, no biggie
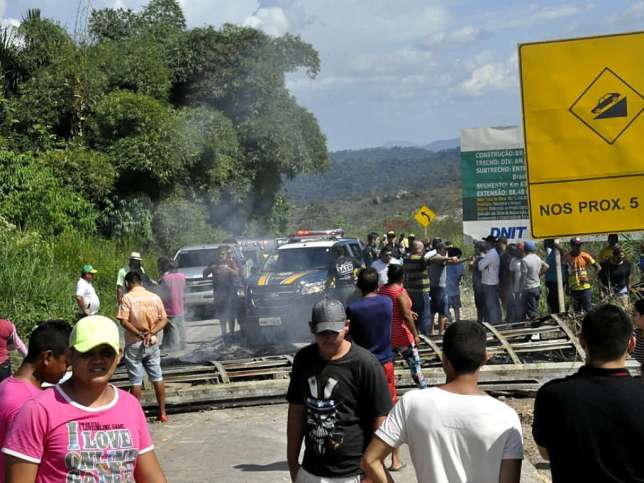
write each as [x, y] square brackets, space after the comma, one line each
[429, 218]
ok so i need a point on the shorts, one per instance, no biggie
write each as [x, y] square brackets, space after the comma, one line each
[454, 301]
[139, 358]
[304, 476]
[439, 301]
[388, 367]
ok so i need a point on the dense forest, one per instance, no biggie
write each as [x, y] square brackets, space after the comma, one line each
[379, 189]
[139, 132]
[377, 172]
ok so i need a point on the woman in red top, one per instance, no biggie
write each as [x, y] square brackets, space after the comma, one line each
[404, 336]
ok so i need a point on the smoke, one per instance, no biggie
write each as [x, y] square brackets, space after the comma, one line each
[270, 20]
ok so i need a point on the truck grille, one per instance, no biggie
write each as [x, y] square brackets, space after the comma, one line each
[275, 296]
[198, 285]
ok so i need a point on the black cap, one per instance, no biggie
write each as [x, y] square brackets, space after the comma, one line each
[328, 314]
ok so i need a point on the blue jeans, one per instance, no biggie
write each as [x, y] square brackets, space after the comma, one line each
[419, 306]
[582, 300]
[492, 304]
[531, 302]
[515, 307]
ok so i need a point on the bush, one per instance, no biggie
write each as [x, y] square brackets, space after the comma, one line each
[39, 275]
[34, 198]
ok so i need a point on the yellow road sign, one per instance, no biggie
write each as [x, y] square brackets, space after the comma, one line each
[583, 101]
[424, 216]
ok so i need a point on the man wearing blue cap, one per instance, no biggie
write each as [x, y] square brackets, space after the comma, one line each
[532, 267]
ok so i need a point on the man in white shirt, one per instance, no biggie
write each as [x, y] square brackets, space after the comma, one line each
[386, 258]
[86, 298]
[489, 267]
[456, 433]
[532, 267]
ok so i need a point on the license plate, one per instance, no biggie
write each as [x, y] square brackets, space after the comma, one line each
[269, 321]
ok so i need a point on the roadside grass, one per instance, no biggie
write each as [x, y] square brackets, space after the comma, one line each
[38, 276]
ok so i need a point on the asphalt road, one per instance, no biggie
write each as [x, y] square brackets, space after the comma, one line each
[229, 445]
[240, 445]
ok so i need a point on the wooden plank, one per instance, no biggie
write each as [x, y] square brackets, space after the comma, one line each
[504, 343]
[223, 374]
[437, 352]
[571, 336]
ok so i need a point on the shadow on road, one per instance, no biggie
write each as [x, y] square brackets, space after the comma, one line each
[277, 466]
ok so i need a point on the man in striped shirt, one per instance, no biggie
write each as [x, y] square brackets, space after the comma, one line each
[416, 282]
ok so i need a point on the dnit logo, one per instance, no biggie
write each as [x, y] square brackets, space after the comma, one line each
[510, 232]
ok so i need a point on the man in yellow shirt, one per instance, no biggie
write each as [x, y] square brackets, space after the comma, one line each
[578, 261]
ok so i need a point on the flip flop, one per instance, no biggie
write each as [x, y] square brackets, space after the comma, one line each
[401, 467]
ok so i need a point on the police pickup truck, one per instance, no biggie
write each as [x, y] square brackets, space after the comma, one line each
[279, 298]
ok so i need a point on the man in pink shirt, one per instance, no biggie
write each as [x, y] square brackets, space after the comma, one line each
[173, 285]
[84, 429]
[46, 361]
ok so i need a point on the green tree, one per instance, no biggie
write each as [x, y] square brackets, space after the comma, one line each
[136, 132]
[34, 198]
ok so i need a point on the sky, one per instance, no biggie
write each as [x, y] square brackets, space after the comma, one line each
[411, 71]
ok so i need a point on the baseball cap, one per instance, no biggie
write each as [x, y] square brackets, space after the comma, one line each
[87, 268]
[411, 235]
[135, 256]
[391, 232]
[328, 314]
[93, 331]
[530, 246]
[575, 241]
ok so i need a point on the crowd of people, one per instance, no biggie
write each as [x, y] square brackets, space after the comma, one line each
[344, 408]
[507, 278]
[343, 401]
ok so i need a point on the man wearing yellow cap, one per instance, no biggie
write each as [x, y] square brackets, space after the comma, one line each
[86, 298]
[85, 429]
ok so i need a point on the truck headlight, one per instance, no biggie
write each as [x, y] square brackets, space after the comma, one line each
[312, 287]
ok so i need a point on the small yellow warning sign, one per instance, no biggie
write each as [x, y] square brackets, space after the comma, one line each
[583, 121]
[424, 216]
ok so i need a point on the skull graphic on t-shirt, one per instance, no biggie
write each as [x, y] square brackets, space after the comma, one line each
[321, 416]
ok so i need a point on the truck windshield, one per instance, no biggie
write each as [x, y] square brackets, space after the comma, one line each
[196, 258]
[298, 259]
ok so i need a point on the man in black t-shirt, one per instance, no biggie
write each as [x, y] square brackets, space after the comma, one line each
[590, 425]
[342, 274]
[337, 397]
[615, 276]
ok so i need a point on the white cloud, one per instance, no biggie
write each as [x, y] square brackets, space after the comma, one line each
[270, 20]
[9, 22]
[217, 12]
[491, 76]
[633, 13]
[529, 14]
[461, 37]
